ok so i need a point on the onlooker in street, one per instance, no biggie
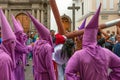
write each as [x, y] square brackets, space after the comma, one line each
[52, 32]
[102, 39]
[117, 46]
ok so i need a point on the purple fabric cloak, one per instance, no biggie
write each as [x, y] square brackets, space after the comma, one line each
[6, 66]
[42, 53]
[42, 61]
[93, 61]
[20, 49]
[7, 57]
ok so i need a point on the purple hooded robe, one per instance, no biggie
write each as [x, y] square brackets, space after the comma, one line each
[7, 57]
[93, 61]
[42, 53]
[20, 49]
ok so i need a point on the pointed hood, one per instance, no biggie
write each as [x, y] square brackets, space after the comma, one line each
[20, 25]
[8, 37]
[17, 27]
[90, 32]
[83, 25]
[42, 30]
[90, 44]
[6, 30]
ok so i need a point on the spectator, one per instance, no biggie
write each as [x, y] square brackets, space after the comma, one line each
[35, 36]
[52, 32]
[101, 40]
[108, 32]
[117, 46]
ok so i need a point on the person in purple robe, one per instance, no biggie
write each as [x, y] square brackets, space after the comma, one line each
[42, 53]
[20, 49]
[93, 61]
[7, 48]
[23, 39]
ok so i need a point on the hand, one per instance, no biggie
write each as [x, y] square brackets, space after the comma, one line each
[118, 24]
[32, 44]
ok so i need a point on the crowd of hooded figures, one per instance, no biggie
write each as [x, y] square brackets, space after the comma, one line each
[57, 57]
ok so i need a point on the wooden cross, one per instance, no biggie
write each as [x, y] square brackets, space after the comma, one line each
[73, 8]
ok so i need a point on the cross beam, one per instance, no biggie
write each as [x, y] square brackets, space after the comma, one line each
[73, 8]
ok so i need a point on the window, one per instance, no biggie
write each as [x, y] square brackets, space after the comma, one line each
[104, 4]
[111, 4]
[98, 3]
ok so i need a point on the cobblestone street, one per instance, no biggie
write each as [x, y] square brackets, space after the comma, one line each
[29, 75]
[28, 72]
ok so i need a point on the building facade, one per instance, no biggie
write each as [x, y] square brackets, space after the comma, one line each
[63, 10]
[110, 10]
[38, 8]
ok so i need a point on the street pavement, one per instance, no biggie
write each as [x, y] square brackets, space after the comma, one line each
[28, 71]
[29, 74]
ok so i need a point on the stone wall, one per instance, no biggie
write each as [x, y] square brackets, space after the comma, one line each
[38, 8]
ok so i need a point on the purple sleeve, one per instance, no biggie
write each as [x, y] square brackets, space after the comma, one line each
[72, 68]
[115, 66]
[49, 63]
[30, 48]
[22, 49]
[6, 72]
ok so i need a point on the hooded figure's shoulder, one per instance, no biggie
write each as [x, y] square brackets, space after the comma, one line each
[109, 53]
[106, 51]
[41, 43]
[80, 52]
[4, 57]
